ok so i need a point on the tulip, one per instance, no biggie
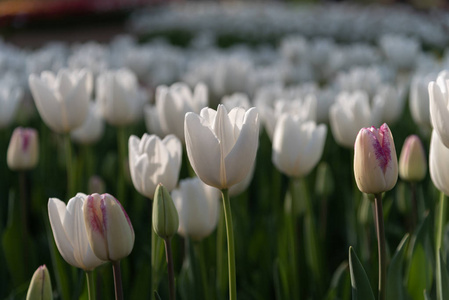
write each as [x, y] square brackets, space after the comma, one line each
[174, 102]
[153, 161]
[349, 113]
[165, 215]
[69, 232]
[439, 106]
[419, 100]
[108, 227]
[118, 97]
[375, 161]
[198, 207]
[438, 162]
[240, 187]
[236, 100]
[63, 99]
[412, 161]
[222, 147]
[10, 97]
[92, 129]
[297, 146]
[23, 149]
[152, 121]
[40, 286]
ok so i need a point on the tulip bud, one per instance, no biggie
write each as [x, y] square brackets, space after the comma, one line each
[40, 286]
[165, 215]
[23, 150]
[109, 230]
[375, 161]
[412, 162]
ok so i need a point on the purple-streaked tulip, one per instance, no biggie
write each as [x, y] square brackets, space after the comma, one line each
[438, 162]
[375, 160]
[69, 232]
[63, 99]
[222, 147]
[23, 149]
[153, 161]
[439, 106]
[108, 227]
[40, 285]
[412, 161]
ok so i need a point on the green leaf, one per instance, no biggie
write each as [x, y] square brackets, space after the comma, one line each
[395, 287]
[361, 288]
[339, 284]
[442, 276]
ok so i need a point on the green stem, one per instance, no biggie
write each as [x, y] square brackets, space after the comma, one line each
[200, 259]
[150, 221]
[221, 271]
[171, 273]
[69, 166]
[291, 229]
[24, 215]
[381, 245]
[121, 144]
[231, 253]
[90, 285]
[414, 206]
[117, 280]
[439, 243]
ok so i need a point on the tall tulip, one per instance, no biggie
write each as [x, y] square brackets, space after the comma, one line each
[297, 146]
[153, 161]
[63, 99]
[439, 106]
[23, 149]
[222, 147]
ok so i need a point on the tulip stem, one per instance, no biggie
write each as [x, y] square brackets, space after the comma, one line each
[121, 144]
[221, 260]
[117, 280]
[230, 236]
[171, 273]
[197, 246]
[69, 166]
[381, 245]
[90, 285]
[439, 243]
[291, 229]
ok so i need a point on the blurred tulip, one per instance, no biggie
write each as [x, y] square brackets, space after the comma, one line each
[165, 215]
[96, 185]
[69, 232]
[152, 122]
[438, 162]
[349, 113]
[23, 149]
[10, 98]
[419, 100]
[236, 100]
[439, 106]
[297, 146]
[412, 161]
[172, 104]
[198, 208]
[109, 229]
[153, 161]
[222, 147]
[375, 161]
[118, 97]
[40, 285]
[63, 99]
[92, 129]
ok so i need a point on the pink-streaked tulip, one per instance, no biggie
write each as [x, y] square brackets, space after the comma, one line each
[153, 161]
[412, 161]
[198, 207]
[108, 227]
[375, 160]
[439, 106]
[63, 99]
[40, 286]
[438, 162]
[297, 146]
[222, 147]
[23, 149]
[69, 232]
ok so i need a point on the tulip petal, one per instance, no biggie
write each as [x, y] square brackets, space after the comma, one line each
[438, 161]
[439, 112]
[93, 219]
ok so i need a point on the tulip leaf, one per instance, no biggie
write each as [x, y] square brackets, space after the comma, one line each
[361, 288]
[312, 249]
[443, 293]
[340, 283]
[395, 287]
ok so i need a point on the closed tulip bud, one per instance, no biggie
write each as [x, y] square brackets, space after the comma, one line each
[23, 150]
[40, 286]
[165, 215]
[375, 161]
[109, 230]
[413, 161]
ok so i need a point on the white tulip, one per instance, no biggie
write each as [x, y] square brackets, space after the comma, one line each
[198, 208]
[438, 162]
[23, 149]
[419, 100]
[439, 106]
[222, 147]
[297, 145]
[92, 129]
[153, 161]
[10, 97]
[69, 232]
[63, 99]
